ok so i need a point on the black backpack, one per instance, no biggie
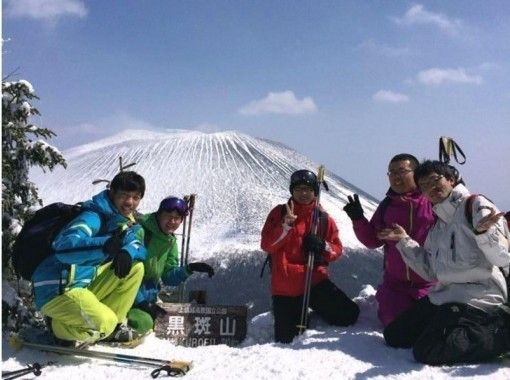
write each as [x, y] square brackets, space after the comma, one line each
[33, 244]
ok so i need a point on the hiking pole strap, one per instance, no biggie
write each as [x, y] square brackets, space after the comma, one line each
[448, 148]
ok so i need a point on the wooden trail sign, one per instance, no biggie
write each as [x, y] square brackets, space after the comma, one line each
[195, 325]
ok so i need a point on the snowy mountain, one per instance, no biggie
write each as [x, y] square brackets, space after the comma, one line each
[238, 179]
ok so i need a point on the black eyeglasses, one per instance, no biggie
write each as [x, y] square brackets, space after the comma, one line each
[432, 181]
[399, 173]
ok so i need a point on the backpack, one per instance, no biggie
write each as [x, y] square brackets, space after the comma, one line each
[33, 243]
[321, 231]
[468, 212]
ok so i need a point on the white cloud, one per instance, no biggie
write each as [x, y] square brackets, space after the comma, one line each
[417, 15]
[437, 76]
[280, 103]
[489, 66]
[382, 49]
[48, 10]
[387, 96]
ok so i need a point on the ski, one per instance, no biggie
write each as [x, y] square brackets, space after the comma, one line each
[171, 367]
[303, 321]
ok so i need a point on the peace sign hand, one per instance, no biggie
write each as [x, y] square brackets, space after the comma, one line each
[289, 217]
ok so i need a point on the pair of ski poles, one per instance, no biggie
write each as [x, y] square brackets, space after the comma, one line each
[303, 321]
[186, 234]
[172, 367]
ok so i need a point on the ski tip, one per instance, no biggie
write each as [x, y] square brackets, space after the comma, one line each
[16, 342]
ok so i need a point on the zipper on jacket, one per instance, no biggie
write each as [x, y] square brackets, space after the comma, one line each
[452, 247]
[411, 222]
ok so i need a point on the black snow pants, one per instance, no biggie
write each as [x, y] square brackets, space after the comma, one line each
[450, 333]
[326, 299]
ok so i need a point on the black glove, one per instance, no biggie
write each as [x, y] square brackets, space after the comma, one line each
[313, 243]
[113, 245]
[353, 208]
[151, 308]
[121, 263]
[200, 267]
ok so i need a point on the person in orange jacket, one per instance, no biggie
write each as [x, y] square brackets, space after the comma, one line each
[287, 240]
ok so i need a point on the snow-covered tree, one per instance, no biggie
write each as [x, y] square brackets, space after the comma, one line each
[22, 148]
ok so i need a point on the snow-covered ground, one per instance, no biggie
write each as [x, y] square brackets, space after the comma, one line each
[238, 180]
[322, 352]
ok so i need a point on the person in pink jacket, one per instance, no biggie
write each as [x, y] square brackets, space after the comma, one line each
[407, 206]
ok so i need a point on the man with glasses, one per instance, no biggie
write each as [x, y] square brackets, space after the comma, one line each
[287, 239]
[162, 263]
[406, 205]
[464, 318]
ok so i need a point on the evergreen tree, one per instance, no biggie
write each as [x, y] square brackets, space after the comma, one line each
[22, 148]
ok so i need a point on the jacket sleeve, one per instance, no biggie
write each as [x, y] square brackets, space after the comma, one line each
[275, 233]
[77, 243]
[333, 244]
[494, 242]
[132, 243]
[417, 258]
[366, 231]
[173, 274]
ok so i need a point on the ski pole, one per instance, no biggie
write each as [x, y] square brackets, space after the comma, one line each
[303, 322]
[172, 367]
[183, 237]
[34, 368]
[191, 207]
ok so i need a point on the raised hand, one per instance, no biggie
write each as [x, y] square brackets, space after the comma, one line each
[488, 220]
[353, 207]
[289, 217]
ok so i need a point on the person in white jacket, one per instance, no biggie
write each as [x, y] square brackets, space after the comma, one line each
[464, 318]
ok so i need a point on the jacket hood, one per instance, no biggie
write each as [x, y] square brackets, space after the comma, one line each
[446, 209]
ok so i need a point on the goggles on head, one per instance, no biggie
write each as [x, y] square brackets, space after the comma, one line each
[174, 204]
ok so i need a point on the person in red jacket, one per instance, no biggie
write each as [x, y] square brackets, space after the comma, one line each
[287, 240]
[406, 205]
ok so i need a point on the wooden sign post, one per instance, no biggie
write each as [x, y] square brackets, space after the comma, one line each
[193, 325]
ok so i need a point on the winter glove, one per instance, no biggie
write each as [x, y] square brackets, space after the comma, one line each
[353, 208]
[121, 263]
[151, 308]
[114, 244]
[313, 243]
[200, 267]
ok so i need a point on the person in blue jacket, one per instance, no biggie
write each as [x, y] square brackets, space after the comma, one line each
[90, 282]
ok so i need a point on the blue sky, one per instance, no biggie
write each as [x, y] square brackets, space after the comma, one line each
[347, 83]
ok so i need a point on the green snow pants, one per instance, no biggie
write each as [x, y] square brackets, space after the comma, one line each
[92, 313]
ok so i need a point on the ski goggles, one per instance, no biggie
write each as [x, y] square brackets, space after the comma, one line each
[174, 204]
